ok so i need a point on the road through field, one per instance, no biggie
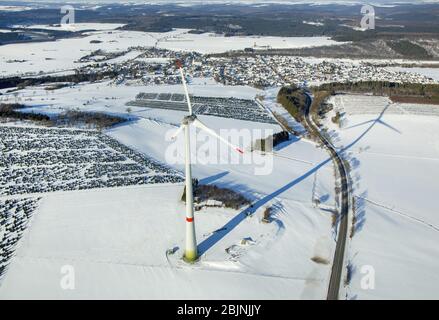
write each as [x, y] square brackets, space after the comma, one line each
[338, 261]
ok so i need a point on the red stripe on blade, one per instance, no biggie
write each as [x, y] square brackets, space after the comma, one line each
[190, 219]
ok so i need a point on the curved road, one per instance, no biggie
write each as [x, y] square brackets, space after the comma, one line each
[338, 261]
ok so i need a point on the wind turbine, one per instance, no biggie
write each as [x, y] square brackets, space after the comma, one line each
[190, 253]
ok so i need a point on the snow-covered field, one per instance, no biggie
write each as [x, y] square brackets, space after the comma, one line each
[14, 8]
[213, 43]
[361, 105]
[429, 72]
[75, 26]
[112, 240]
[394, 158]
[61, 54]
[108, 97]
[116, 239]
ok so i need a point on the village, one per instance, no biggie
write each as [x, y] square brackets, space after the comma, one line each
[154, 66]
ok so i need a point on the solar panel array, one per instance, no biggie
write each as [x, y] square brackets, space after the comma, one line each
[241, 109]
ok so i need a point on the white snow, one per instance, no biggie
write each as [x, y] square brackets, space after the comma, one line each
[395, 172]
[116, 242]
[60, 55]
[14, 8]
[270, 102]
[213, 43]
[75, 26]
[313, 23]
[116, 239]
[108, 97]
[429, 72]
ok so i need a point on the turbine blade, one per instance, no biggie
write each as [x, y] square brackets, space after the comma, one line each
[197, 123]
[176, 133]
[183, 80]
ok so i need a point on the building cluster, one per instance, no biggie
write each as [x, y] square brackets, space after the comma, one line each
[100, 55]
[156, 66]
[150, 66]
[268, 71]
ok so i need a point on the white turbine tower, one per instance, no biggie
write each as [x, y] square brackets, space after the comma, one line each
[190, 253]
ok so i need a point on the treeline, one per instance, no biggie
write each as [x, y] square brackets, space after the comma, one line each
[367, 48]
[398, 92]
[9, 111]
[87, 119]
[227, 197]
[267, 144]
[319, 107]
[11, 37]
[21, 83]
[293, 99]
[409, 49]
[296, 101]
[93, 120]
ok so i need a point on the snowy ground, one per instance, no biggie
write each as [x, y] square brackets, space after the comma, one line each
[109, 97]
[60, 55]
[373, 105]
[110, 236]
[116, 238]
[14, 8]
[270, 102]
[75, 26]
[394, 158]
[429, 72]
[113, 245]
[213, 43]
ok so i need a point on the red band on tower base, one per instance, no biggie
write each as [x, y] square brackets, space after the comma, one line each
[190, 219]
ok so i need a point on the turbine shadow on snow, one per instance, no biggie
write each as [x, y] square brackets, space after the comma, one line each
[222, 232]
[213, 239]
[228, 227]
[211, 179]
[377, 120]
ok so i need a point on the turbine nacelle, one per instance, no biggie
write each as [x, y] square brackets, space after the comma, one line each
[193, 120]
[188, 120]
